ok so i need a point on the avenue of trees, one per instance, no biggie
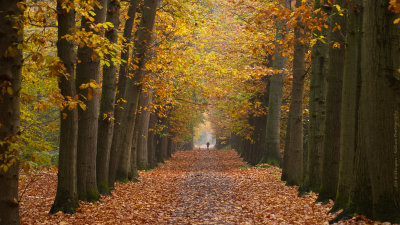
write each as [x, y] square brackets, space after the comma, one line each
[102, 88]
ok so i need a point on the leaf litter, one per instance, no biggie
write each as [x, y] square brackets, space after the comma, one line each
[193, 187]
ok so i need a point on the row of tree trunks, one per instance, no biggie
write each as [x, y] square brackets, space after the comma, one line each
[132, 90]
[252, 150]
[353, 154]
[119, 103]
[82, 164]
[11, 35]
[361, 152]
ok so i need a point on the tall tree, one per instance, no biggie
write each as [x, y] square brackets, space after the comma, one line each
[67, 194]
[317, 108]
[132, 89]
[330, 156]
[272, 141]
[380, 107]
[123, 74]
[106, 117]
[143, 118]
[11, 35]
[350, 104]
[88, 72]
[294, 145]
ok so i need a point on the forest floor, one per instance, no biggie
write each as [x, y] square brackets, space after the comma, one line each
[193, 187]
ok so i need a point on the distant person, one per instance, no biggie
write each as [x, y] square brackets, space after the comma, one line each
[208, 145]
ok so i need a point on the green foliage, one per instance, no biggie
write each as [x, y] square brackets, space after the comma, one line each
[142, 167]
[263, 165]
[226, 147]
[93, 195]
[124, 180]
[103, 185]
[246, 166]
[272, 162]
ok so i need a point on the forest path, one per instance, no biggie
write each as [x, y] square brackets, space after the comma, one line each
[207, 195]
[193, 187]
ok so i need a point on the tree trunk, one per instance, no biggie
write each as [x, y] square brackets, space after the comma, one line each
[330, 156]
[132, 88]
[159, 148]
[350, 104]
[379, 107]
[152, 141]
[361, 193]
[67, 194]
[143, 119]
[164, 148]
[11, 35]
[170, 148]
[273, 127]
[235, 142]
[106, 117]
[317, 112]
[123, 73]
[133, 173]
[86, 71]
[294, 146]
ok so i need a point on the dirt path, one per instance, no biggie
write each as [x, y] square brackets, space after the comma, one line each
[194, 187]
[206, 194]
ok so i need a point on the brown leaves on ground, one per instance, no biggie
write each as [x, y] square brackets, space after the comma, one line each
[194, 187]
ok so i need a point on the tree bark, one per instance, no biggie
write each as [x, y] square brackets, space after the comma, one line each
[143, 119]
[67, 194]
[11, 35]
[88, 69]
[171, 147]
[294, 146]
[379, 107]
[133, 173]
[331, 151]
[123, 74]
[106, 117]
[350, 104]
[316, 128]
[273, 127]
[164, 147]
[159, 138]
[152, 141]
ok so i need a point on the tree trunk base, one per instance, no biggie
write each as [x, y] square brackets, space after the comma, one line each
[66, 205]
[346, 214]
[103, 188]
